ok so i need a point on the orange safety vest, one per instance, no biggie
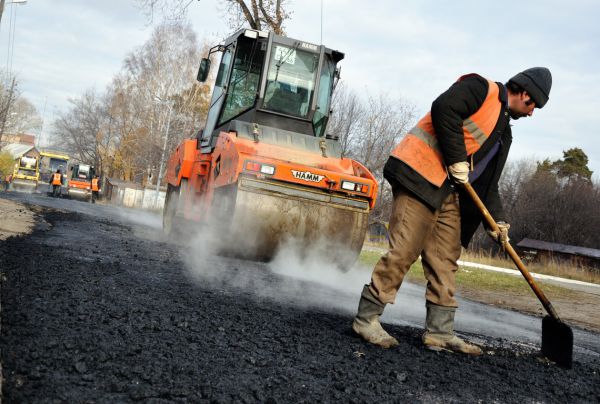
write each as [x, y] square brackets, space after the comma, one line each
[56, 179]
[420, 150]
[94, 184]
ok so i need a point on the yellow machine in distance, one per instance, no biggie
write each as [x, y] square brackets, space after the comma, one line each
[26, 174]
[50, 161]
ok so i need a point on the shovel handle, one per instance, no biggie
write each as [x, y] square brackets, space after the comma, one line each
[511, 252]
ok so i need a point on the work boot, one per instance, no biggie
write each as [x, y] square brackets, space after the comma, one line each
[366, 323]
[440, 332]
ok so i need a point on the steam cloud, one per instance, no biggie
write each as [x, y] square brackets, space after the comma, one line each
[303, 277]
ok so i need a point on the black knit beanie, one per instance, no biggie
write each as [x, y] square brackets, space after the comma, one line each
[537, 81]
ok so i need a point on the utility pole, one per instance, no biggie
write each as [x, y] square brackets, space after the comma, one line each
[164, 151]
[1, 9]
[12, 2]
[40, 137]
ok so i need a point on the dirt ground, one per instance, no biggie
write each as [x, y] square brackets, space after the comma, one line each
[15, 219]
[577, 305]
[581, 309]
[96, 310]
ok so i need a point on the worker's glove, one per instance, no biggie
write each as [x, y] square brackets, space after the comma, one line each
[459, 172]
[502, 236]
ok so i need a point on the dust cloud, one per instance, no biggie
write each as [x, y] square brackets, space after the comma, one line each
[322, 263]
[146, 223]
[312, 278]
[298, 276]
[308, 279]
[147, 218]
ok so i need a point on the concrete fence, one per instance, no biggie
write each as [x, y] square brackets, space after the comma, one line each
[132, 195]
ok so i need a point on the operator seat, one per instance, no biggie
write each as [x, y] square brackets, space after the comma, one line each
[286, 101]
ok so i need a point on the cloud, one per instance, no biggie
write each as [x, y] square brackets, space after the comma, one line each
[64, 47]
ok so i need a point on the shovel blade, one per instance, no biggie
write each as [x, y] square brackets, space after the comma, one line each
[557, 342]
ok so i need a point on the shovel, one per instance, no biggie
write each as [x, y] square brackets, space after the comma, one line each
[557, 337]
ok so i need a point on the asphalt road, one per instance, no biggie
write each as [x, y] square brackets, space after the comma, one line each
[98, 307]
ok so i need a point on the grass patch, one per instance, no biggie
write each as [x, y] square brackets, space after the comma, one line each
[552, 268]
[476, 278]
[370, 258]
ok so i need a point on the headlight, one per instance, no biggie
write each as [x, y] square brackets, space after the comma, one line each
[259, 168]
[354, 186]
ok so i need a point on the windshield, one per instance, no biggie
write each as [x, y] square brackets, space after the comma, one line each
[57, 164]
[81, 172]
[245, 78]
[290, 80]
[324, 95]
[28, 163]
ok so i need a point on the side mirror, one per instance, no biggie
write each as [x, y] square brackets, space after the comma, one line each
[203, 70]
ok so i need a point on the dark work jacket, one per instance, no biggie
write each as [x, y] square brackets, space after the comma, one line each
[448, 112]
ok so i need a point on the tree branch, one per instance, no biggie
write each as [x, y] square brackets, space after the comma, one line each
[254, 23]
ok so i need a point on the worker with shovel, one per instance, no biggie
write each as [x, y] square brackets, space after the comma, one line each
[464, 138]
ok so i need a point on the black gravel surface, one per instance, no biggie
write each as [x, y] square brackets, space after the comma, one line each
[92, 311]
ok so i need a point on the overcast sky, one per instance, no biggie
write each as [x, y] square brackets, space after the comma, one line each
[412, 49]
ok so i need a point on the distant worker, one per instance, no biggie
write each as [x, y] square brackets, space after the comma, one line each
[464, 138]
[95, 189]
[7, 180]
[56, 182]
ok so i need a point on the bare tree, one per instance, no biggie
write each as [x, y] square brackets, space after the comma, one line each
[23, 117]
[7, 98]
[368, 130]
[158, 79]
[125, 121]
[173, 10]
[17, 114]
[78, 129]
[84, 131]
[8, 95]
[558, 211]
[514, 176]
[384, 123]
[347, 114]
[542, 205]
[123, 131]
[258, 14]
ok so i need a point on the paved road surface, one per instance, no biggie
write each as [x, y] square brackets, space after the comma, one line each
[97, 306]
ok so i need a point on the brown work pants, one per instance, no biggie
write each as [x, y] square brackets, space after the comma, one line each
[415, 229]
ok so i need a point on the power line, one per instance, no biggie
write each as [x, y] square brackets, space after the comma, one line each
[10, 49]
[12, 45]
[10, 24]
